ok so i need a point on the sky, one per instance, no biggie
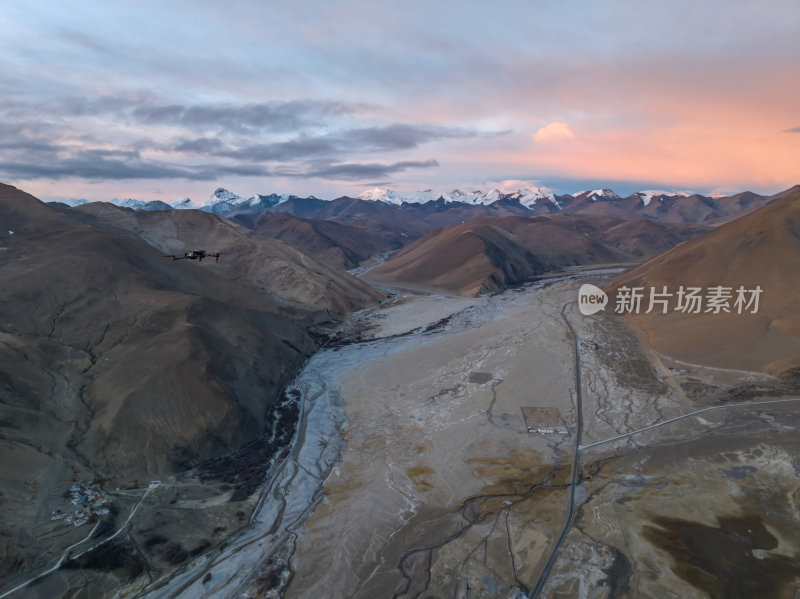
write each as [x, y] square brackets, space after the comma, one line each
[164, 100]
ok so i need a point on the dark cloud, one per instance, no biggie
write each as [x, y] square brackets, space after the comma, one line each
[28, 146]
[98, 165]
[355, 171]
[278, 117]
[404, 137]
[51, 142]
[113, 106]
[90, 169]
[302, 148]
[28, 153]
[21, 131]
[243, 170]
[373, 139]
[239, 118]
[793, 130]
[25, 141]
[202, 145]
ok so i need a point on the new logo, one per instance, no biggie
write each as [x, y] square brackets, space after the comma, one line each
[591, 299]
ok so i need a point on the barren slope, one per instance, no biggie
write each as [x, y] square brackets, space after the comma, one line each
[759, 249]
[267, 265]
[341, 246]
[646, 238]
[492, 254]
[119, 364]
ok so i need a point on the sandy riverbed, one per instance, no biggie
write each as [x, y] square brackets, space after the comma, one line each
[440, 485]
[441, 492]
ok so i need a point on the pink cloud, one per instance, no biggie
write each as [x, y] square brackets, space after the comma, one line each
[554, 132]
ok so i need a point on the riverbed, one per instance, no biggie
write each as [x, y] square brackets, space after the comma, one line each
[398, 434]
[440, 485]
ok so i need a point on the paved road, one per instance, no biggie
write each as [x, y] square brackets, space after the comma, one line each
[579, 430]
[66, 555]
[537, 589]
[53, 568]
[745, 404]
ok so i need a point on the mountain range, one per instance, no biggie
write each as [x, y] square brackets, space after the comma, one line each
[659, 205]
[346, 233]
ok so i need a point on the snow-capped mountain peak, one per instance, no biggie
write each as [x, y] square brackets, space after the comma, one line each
[223, 201]
[128, 203]
[648, 195]
[529, 196]
[602, 194]
[141, 204]
[398, 198]
[262, 200]
[465, 197]
[375, 194]
[597, 194]
[74, 202]
[222, 195]
[491, 196]
[183, 204]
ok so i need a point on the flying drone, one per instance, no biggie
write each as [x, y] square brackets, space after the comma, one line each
[194, 255]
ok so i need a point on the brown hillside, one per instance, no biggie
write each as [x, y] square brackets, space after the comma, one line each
[761, 248]
[492, 254]
[266, 265]
[338, 245]
[118, 363]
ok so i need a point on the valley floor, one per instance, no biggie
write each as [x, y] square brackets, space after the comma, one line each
[687, 479]
[413, 472]
[440, 486]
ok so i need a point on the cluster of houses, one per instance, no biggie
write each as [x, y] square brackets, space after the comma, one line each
[88, 500]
